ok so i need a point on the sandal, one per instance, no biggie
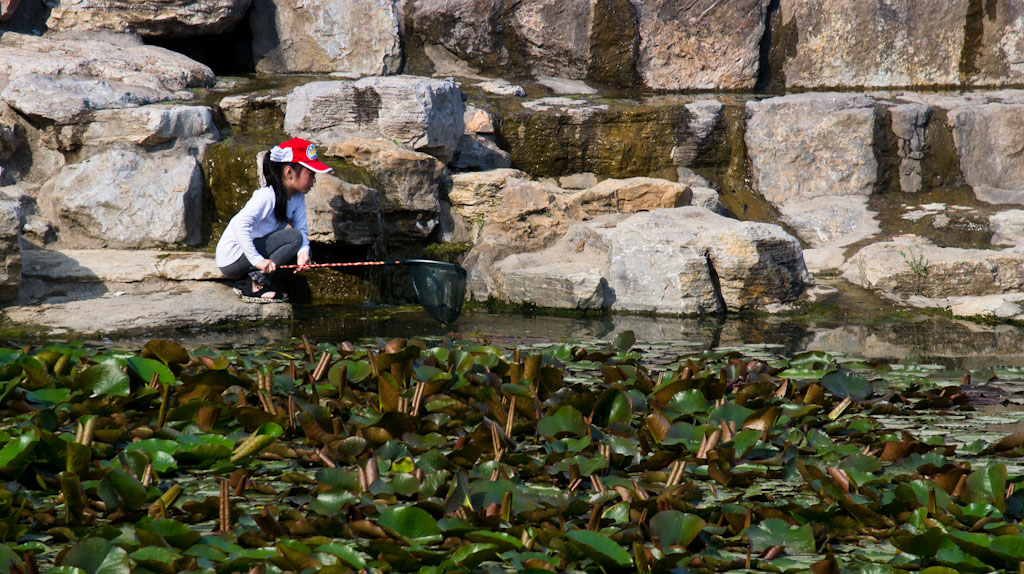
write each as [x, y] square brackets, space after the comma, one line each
[250, 296]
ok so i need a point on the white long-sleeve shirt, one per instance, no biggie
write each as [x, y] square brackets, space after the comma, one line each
[256, 219]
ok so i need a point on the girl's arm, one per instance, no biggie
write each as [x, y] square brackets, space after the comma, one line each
[299, 223]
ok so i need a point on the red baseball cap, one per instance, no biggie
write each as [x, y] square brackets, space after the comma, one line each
[299, 151]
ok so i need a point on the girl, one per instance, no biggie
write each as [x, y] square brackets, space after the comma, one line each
[257, 240]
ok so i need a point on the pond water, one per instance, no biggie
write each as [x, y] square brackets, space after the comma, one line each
[852, 324]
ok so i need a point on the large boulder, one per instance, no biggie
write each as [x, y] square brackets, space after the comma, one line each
[125, 198]
[146, 126]
[467, 31]
[912, 266]
[339, 212]
[422, 114]
[149, 18]
[409, 182]
[852, 43]
[684, 260]
[62, 79]
[702, 44]
[354, 36]
[835, 221]
[573, 39]
[805, 146]
[989, 138]
[554, 35]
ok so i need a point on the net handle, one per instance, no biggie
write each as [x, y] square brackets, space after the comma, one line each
[353, 264]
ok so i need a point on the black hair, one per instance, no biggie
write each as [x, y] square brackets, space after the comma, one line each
[273, 171]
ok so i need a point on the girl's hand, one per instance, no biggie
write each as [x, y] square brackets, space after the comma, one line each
[304, 261]
[266, 266]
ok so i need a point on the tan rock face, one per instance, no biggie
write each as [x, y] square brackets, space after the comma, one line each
[812, 145]
[852, 43]
[410, 181]
[909, 266]
[149, 18]
[630, 196]
[356, 36]
[702, 44]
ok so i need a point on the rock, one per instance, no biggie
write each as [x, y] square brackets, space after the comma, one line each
[119, 265]
[909, 124]
[26, 152]
[564, 87]
[507, 213]
[127, 199]
[359, 36]
[553, 36]
[478, 121]
[479, 153]
[147, 126]
[60, 80]
[339, 212]
[683, 260]
[554, 136]
[825, 259]
[629, 196]
[409, 183]
[705, 123]
[687, 176]
[467, 30]
[988, 139]
[420, 113]
[700, 45]
[501, 88]
[831, 221]
[706, 198]
[179, 305]
[577, 282]
[997, 60]
[10, 250]
[806, 146]
[250, 110]
[850, 43]
[578, 181]
[911, 266]
[1008, 227]
[500, 195]
[553, 39]
[990, 306]
[149, 18]
[7, 8]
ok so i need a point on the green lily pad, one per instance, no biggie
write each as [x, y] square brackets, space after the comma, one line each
[104, 379]
[776, 532]
[676, 528]
[601, 549]
[409, 522]
[567, 421]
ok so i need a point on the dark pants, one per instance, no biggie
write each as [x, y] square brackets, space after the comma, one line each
[280, 247]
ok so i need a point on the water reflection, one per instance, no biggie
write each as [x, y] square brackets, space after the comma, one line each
[905, 337]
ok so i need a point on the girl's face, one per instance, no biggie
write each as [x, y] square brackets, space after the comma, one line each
[298, 179]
